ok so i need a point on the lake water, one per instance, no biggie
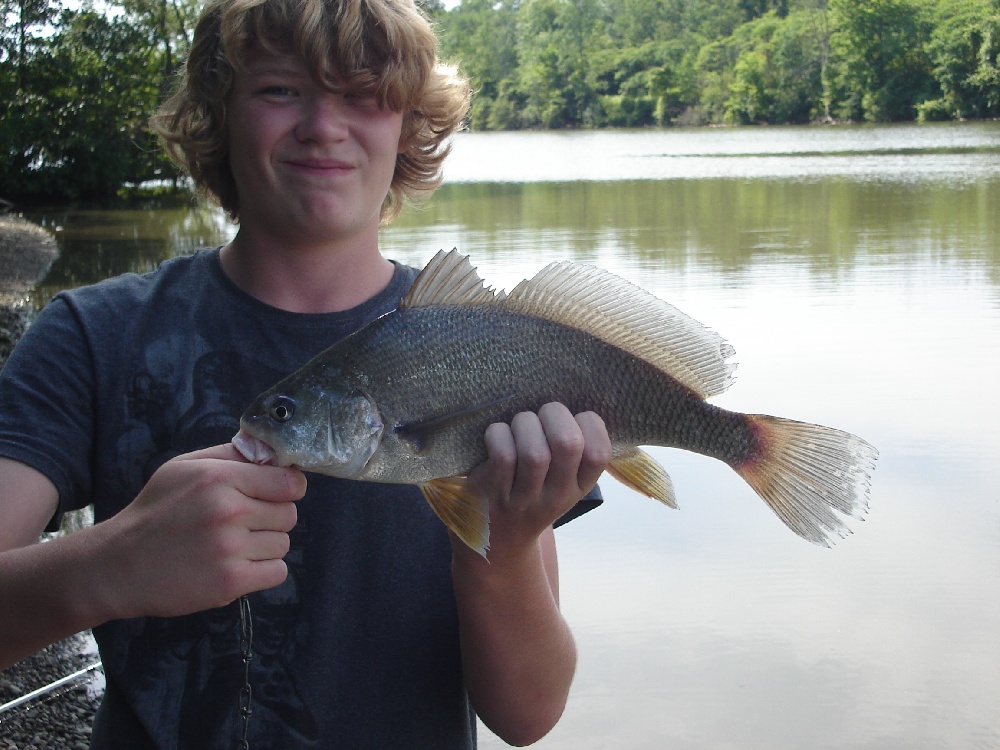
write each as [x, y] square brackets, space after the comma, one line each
[856, 270]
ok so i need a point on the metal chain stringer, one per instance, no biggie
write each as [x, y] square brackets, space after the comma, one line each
[246, 652]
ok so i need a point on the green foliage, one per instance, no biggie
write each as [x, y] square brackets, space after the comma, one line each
[481, 37]
[778, 76]
[572, 63]
[963, 51]
[879, 45]
[79, 86]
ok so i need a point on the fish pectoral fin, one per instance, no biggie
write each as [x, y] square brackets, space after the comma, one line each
[637, 469]
[419, 435]
[460, 510]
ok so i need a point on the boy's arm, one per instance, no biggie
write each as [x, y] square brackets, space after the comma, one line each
[518, 653]
[206, 529]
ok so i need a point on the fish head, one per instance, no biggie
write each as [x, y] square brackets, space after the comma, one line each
[330, 430]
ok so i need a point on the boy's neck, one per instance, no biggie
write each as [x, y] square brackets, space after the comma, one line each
[307, 279]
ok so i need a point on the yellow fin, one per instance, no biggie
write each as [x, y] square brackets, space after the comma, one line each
[636, 469]
[461, 511]
[448, 279]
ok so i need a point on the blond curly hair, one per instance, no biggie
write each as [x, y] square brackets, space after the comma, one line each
[381, 47]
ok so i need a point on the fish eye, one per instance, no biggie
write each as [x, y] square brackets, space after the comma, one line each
[281, 409]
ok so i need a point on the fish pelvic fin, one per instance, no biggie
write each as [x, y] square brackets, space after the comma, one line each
[465, 513]
[810, 475]
[637, 470]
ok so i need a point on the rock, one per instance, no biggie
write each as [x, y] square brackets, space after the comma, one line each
[26, 253]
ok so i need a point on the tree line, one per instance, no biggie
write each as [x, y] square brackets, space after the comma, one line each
[79, 84]
[633, 63]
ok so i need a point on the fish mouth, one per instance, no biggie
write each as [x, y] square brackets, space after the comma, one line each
[253, 449]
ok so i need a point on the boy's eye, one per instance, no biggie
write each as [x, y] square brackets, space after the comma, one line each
[277, 91]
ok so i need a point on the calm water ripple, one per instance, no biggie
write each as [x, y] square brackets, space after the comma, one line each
[905, 153]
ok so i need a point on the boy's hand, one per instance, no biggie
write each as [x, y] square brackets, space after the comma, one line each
[518, 654]
[207, 528]
[539, 466]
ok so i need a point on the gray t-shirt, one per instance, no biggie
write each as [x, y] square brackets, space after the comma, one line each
[358, 648]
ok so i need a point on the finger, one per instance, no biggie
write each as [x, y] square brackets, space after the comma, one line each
[597, 452]
[267, 545]
[533, 455]
[271, 516]
[566, 444]
[275, 484]
[495, 475]
[266, 574]
[226, 452]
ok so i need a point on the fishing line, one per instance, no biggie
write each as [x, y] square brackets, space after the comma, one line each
[52, 686]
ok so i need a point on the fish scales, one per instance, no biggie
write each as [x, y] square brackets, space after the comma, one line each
[457, 358]
[408, 398]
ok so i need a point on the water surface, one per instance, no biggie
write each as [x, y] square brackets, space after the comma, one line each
[857, 273]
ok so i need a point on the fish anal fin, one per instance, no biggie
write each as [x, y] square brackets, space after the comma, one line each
[460, 510]
[637, 470]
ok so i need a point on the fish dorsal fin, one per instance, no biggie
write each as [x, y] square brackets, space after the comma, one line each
[630, 318]
[448, 279]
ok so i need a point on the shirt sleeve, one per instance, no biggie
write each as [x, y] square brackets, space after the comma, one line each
[587, 503]
[46, 404]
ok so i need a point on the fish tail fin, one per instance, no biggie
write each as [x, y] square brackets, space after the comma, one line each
[636, 469]
[809, 475]
[465, 513]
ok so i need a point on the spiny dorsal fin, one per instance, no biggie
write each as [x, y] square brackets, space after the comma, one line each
[624, 315]
[597, 302]
[448, 279]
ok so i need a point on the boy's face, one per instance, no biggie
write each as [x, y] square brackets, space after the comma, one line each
[310, 164]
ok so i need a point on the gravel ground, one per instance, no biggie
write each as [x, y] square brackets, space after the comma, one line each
[60, 719]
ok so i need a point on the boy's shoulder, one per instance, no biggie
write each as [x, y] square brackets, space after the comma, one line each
[180, 275]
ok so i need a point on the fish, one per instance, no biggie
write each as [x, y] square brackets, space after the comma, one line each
[407, 398]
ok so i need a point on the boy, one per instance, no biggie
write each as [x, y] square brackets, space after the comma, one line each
[310, 121]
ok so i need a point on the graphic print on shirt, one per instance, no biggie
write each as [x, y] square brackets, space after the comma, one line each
[176, 404]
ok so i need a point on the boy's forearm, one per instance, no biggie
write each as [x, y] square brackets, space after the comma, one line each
[46, 594]
[193, 539]
[518, 652]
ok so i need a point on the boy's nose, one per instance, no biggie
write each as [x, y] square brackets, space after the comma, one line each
[323, 119]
